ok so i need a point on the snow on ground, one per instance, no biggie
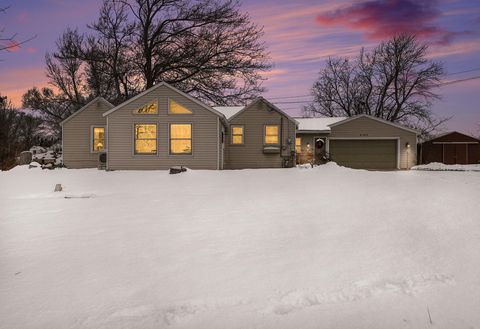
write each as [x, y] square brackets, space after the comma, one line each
[327, 247]
[437, 166]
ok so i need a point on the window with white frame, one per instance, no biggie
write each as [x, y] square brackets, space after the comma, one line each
[180, 138]
[145, 138]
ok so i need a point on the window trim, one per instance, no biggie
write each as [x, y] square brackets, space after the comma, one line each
[171, 113]
[265, 134]
[243, 135]
[170, 139]
[135, 153]
[142, 114]
[104, 138]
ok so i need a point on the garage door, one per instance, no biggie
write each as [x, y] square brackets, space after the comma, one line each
[364, 154]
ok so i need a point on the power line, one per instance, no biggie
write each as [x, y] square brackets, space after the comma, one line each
[285, 97]
[456, 81]
[466, 71]
[436, 85]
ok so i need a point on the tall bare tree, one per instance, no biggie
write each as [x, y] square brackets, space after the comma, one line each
[205, 47]
[108, 53]
[395, 81]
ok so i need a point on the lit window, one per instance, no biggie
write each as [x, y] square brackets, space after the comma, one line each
[271, 134]
[145, 138]
[298, 145]
[151, 108]
[180, 138]
[237, 134]
[175, 108]
[98, 142]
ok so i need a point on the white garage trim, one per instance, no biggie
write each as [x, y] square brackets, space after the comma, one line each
[327, 147]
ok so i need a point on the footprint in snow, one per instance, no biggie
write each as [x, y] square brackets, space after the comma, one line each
[302, 298]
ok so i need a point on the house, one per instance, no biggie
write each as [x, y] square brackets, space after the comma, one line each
[260, 136]
[450, 148]
[361, 141]
[164, 127]
[83, 134]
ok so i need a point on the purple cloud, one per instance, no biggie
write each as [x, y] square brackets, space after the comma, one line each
[380, 19]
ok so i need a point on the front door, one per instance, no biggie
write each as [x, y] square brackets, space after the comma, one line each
[319, 149]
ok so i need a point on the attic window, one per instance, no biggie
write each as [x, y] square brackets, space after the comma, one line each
[176, 108]
[151, 108]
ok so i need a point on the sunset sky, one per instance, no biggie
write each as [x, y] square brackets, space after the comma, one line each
[299, 34]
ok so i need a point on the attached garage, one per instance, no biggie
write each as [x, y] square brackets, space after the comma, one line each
[365, 153]
[366, 142]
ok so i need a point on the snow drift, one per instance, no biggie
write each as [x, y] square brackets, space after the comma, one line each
[326, 247]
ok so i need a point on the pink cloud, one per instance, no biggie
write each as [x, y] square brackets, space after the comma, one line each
[31, 50]
[380, 19]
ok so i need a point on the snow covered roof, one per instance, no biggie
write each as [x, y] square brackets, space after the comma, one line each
[317, 124]
[228, 111]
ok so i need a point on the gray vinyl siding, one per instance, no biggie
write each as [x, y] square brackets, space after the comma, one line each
[77, 152]
[367, 128]
[205, 134]
[250, 153]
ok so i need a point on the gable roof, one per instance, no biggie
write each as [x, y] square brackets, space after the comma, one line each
[228, 111]
[450, 133]
[93, 101]
[158, 85]
[376, 119]
[317, 124]
[261, 99]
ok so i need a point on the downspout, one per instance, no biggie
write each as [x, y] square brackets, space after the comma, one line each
[281, 141]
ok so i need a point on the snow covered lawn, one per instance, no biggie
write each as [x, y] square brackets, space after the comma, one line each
[327, 247]
[437, 166]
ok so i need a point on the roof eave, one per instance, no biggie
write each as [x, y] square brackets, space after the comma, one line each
[99, 98]
[417, 132]
[313, 131]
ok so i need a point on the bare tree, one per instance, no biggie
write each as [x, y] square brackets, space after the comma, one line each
[108, 53]
[10, 42]
[205, 47]
[64, 67]
[395, 81]
[54, 107]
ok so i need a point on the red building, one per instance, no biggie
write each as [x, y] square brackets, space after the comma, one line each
[450, 148]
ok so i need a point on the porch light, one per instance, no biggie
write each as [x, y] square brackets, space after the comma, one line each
[407, 145]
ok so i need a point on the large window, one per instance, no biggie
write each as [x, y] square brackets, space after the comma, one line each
[150, 108]
[180, 138]
[298, 145]
[176, 108]
[237, 134]
[98, 139]
[271, 134]
[145, 138]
